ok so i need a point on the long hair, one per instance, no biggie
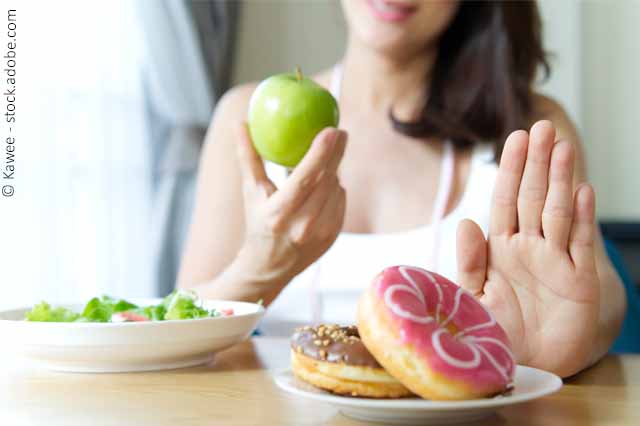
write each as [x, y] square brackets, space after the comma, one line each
[481, 83]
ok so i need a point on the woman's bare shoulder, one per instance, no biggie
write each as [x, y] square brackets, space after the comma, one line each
[323, 78]
[547, 108]
[230, 112]
[235, 102]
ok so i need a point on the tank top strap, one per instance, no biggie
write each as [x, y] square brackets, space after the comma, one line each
[445, 183]
[482, 171]
[336, 81]
[475, 201]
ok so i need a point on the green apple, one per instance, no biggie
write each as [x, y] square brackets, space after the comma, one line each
[286, 112]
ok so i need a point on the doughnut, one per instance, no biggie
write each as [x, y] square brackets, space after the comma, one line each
[434, 336]
[333, 358]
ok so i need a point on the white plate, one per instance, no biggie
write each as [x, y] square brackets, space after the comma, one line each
[529, 383]
[128, 346]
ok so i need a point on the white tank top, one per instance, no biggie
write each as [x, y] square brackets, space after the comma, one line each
[328, 290]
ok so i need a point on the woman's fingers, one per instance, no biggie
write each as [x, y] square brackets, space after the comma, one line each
[306, 174]
[304, 219]
[533, 188]
[339, 149]
[557, 214]
[328, 185]
[251, 165]
[471, 254]
[581, 241]
[329, 222]
[504, 214]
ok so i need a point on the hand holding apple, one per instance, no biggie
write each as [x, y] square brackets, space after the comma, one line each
[286, 112]
[290, 227]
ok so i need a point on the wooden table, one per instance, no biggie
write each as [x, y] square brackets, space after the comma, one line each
[236, 389]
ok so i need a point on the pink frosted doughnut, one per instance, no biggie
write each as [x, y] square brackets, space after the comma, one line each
[433, 336]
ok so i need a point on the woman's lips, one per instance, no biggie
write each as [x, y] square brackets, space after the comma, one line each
[391, 11]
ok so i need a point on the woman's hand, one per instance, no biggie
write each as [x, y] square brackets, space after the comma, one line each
[537, 270]
[288, 228]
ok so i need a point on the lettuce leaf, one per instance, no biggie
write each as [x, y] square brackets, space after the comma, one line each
[123, 306]
[43, 312]
[184, 305]
[117, 305]
[96, 310]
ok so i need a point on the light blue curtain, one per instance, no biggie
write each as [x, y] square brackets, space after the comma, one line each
[190, 44]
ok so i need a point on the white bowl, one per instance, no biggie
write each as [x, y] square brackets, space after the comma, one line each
[127, 346]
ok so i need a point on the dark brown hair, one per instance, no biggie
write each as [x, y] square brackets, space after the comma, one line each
[481, 82]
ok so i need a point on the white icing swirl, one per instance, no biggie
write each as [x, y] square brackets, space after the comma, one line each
[456, 362]
[396, 309]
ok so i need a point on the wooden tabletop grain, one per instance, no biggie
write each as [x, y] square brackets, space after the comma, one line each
[237, 389]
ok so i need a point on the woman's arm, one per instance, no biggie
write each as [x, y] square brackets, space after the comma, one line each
[217, 228]
[612, 294]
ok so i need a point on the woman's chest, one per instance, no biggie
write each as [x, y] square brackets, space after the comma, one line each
[391, 182]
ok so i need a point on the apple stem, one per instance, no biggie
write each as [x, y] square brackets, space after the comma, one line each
[299, 74]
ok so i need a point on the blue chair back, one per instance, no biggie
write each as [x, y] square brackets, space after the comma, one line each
[629, 339]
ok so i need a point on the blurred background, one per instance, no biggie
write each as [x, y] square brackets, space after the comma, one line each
[114, 99]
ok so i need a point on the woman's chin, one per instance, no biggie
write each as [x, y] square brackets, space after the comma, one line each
[392, 45]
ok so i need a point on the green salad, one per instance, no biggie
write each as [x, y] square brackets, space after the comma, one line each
[178, 305]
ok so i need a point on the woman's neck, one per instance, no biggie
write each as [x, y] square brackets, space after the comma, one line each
[380, 81]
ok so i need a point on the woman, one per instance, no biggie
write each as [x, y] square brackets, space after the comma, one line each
[431, 94]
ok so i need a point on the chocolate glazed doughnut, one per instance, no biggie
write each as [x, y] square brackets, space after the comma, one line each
[335, 359]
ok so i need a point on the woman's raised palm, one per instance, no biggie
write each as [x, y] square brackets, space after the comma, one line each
[536, 270]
